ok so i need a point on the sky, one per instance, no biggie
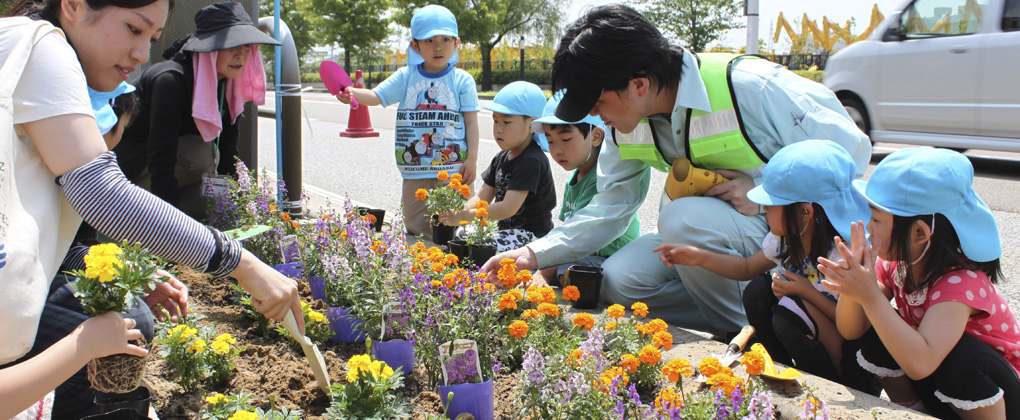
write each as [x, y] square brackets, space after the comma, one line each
[768, 11]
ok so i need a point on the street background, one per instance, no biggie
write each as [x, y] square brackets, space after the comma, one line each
[364, 169]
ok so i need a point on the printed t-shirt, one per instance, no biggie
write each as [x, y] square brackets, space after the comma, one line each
[529, 172]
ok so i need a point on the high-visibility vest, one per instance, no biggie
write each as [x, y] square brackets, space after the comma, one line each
[712, 140]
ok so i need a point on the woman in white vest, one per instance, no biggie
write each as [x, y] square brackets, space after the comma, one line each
[726, 114]
[55, 170]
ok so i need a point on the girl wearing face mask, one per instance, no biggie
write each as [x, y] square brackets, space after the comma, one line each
[51, 52]
[187, 125]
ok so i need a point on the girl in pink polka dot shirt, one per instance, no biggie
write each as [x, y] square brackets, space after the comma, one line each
[949, 343]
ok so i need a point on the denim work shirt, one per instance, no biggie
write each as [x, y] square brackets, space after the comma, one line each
[777, 107]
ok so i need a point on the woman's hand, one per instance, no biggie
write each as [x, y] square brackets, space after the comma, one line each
[169, 294]
[272, 293]
[735, 192]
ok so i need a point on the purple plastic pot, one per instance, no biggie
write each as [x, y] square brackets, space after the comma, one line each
[290, 269]
[318, 286]
[476, 399]
[398, 354]
[344, 326]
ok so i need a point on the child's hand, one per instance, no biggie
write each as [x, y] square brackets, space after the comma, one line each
[108, 334]
[679, 254]
[455, 218]
[790, 284]
[344, 96]
[170, 294]
[467, 170]
[853, 277]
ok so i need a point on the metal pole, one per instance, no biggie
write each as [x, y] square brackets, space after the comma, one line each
[751, 11]
[288, 115]
[522, 57]
[277, 81]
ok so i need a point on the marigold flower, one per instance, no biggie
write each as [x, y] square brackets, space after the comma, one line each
[584, 320]
[483, 223]
[630, 362]
[530, 314]
[663, 340]
[507, 301]
[105, 250]
[516, 293]
[724, 381]
[605, 381]
[676, 368]
[753, 362]
[571, 293]
[611, 326]
[524, 276]
[639, 309]
[549, 309]
[285, 217]
[465, 191]
[197, 347]
[437, 267]
[421, 194]
[317, 318]
[244, 415]
[482, 212]
[668, 398]
[443, 175]
[450, 260]
[482, 204]
[272, 208]
[454, 184]
[436, 283]
[650, 355]
[709, 366]
[102, 267]
[576, 354]
[215, 398]
[219, 347]
[615, 311]
[518, 329]
[657, 325]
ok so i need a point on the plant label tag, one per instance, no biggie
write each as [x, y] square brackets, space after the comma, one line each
[459, 359]
[388, 310]
[215, 186]
[289, 249]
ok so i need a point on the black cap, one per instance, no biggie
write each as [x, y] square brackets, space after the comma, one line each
[223, 26]
[577, 103]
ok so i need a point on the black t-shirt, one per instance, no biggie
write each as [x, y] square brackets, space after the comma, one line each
[527, 172]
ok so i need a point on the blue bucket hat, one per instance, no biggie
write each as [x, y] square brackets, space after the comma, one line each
[428, 22]
[814, 171]
[549, 115]
[102, 106]
[520, 98]
[925, 180]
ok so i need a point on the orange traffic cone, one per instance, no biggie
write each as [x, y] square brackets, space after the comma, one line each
[359, 123]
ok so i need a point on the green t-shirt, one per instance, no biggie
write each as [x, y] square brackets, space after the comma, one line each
[578, 193]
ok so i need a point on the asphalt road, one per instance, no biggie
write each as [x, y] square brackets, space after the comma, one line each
[364, 170]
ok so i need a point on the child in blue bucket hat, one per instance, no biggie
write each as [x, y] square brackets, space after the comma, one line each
[951, 344]
[575, 147]
[808, 196]
[518, 183]
[436, 129]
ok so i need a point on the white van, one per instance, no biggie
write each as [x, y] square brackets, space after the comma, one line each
[942, 73]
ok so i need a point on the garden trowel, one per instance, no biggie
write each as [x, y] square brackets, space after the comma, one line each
[770, 372]
[336, 80]
[311, 352]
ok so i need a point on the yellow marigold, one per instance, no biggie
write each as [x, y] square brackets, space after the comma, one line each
[183, 332]
[421, 194]
[676, 368]
[457, 177]
[650, 355]
[507, 301]
[657, 325]
[630, 362]
[215, 398]
[584, 320]
[549, 309]
[530, 314]
[663, 340]
[725, 381]
[378, 369]
[668, 398]
[436, 283]
[516, 293]
[611, 326]
[753, 362]
[317, 318]
[639, 309]
[518, 329]
[709, 366]
[105, 250]
[219, 347]
[244, 415]
[482, 212]
[285, 217]
[615, 311]
[197, 347]
[102, 267]
[465, 191]
[571, 293]
[358, 361]
[443, 175]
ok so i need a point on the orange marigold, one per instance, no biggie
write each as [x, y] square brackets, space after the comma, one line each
[639, 309]
[630, 362]
[657, 325]
[650, 355]
[663, 340]
[605, 381]
[530, 314]
[437, 267]
[571, 293]
[584, 320]
[450, 260]
[611, 325]
[524, 276]
[616, 311]
[518, 329]
[753, 362]
[294, 225]
[725, 381]
[710, 366]
[483, 223]
[421, 194]
[457, 177]
[465, 191]
[443, 176]
[676, 368]
[285, 217]
[507, 301]
[549, 309]
[482, 212]
[482, 204]
[668, 398]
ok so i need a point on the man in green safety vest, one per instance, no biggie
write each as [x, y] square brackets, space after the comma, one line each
[723, 112]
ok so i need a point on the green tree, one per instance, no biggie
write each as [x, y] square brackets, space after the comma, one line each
[351, 24]
[295, 14]
[487, 22]
[694, 23]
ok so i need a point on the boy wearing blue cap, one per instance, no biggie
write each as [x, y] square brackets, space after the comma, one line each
[437, 119]
[575, 147]
[518, 183]
[951, 344]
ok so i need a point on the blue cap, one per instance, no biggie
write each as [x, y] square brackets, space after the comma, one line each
[925, 180]
[102, 105]
[428, 22]
[814, 171]
[520, 98]
[549, 115]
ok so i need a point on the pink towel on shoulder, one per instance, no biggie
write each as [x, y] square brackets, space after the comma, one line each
[249, 86]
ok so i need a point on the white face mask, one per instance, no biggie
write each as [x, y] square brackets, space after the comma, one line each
[927, 245]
